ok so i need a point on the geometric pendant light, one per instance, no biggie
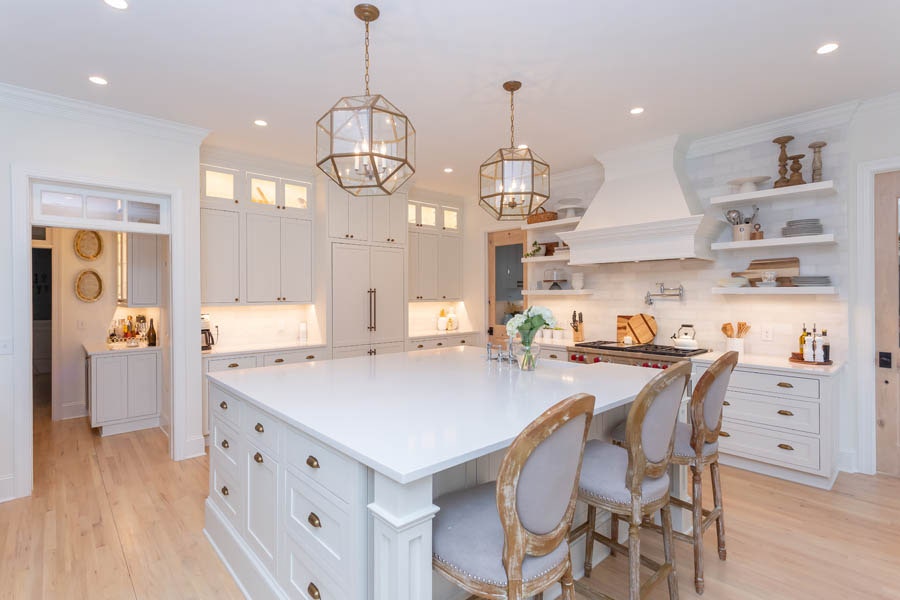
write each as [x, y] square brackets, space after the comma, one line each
[514, 181]
[365, 143]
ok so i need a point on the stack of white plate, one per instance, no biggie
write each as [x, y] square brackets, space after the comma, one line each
[802, 227]
[811, 281]
[733, 282]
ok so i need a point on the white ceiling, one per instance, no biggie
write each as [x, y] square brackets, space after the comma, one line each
[698, 66]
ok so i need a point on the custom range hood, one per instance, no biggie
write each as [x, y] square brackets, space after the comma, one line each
[645, 210]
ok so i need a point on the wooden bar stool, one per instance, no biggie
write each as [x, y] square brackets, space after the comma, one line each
[696, 445]
[509, 539]
[633, 482]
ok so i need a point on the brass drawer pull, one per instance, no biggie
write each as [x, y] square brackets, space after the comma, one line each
[259, 428]
[785, 384]
[553, 356]
[420, 346]
[225, 491]
[312, 462]
[462, 341]
[310, 356]
[258, 458]
[785, 446]
[440, 343]
[313, 592]
[233, 366]
[726, 403]
[786, 413]
[225, 444]
[313, 519]
[279, 360]
[724, 434]
[223, 405]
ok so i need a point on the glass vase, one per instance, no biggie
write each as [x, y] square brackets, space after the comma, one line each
[527, 355]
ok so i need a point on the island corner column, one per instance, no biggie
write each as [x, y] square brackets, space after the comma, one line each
[402, 515]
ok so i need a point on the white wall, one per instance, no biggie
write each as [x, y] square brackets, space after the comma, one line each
[76, 140]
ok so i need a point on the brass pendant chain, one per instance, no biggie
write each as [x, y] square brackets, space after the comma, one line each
[512, 121]
[367, 58]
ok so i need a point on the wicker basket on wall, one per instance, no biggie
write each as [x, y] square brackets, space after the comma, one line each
[542, 215]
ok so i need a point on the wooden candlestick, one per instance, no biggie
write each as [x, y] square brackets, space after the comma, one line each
[817, 160]
[796, 168]
[782, 160]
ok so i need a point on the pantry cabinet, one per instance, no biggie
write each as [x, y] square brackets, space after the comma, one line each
[278, 259]
[220, 245]
[123, 390]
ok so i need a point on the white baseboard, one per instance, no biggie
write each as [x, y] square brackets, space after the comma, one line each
[7, 488]
[194, 447]
[128, 426]
[848, 461]
[809, 479]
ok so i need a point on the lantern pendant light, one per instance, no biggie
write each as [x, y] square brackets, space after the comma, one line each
[365, 143]
[514, 181]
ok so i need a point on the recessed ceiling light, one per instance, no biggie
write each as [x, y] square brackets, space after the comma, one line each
[96, 79]
[119, 4]
[448, 169]
[637, 110]
[522, 146]
[827, 48]
[261, 123]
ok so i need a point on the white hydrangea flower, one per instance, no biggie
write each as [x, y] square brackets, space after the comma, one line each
[512, 326]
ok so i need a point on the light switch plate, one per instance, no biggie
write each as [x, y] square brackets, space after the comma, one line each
[766, 333]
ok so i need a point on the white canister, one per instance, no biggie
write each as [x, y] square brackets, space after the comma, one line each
[442, 323]
[577, 281]
[559, 334]
[735, 345]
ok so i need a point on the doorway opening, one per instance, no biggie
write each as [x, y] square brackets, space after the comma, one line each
[506, 280]
[41, 321]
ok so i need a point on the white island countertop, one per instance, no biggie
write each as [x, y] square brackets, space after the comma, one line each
[411, 415]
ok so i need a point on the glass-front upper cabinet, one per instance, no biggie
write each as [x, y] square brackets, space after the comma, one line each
[219, 184]
[450, 219]
[420, 214]
[278, 193]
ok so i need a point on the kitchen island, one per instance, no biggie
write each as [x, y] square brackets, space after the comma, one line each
[302, 455]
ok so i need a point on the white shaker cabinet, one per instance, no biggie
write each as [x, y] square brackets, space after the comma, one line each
[278, 259]
[296, 260]
[386, 275]
[423, 284]
[220, 273]
[389, 219]
[123, 390]
[138, 258]
[448, 268]
[348, 215]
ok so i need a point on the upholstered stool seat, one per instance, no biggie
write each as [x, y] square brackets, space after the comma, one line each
[468, 538]
[682, 447]
[603, 471]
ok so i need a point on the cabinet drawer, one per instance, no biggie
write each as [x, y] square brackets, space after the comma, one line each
[223, 405]
[787, 385]
[291, 357]
[328, 468]
[444, 342]
[798, 415]
[235, 362]
[776, 447]
[550, 354]
[261, 429]
[225, 445]
[304, 579]
[226, 493]
[319, 524]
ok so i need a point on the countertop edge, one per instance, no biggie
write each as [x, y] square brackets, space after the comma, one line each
[98, 351]
[259, 350]
[761, 362]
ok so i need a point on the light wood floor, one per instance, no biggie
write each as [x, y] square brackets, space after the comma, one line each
[115, 518]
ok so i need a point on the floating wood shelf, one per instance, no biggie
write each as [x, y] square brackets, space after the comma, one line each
[775, 291]
[820, 188]
[805, 240]
[558, 224]
[546, 259]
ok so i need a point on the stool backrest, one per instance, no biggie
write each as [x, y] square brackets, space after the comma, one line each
[538, 482]
[650, 429]
[708, 399]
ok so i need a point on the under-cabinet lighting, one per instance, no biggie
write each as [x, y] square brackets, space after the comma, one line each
[448, 169]
[827, 48]
[636, 110]
[261, 123]
[96, 79]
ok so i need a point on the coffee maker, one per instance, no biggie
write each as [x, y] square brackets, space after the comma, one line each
[207, 341]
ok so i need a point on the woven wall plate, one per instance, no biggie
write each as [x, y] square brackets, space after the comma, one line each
[88, 286]
[88, 244]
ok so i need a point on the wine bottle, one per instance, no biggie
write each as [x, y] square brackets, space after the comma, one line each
[803, 339]
[151, 335]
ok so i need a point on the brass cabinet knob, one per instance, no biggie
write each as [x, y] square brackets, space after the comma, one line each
[279, 361]
[237, 299]
[553, 356]
[724, 434]
[313, 519]
[346, 235]
[785, 446]
[786, 413]
[259, 428]
[223, 405]
[464, 341]
[225, 444]
[351, 236]
[784, 384]
[233, 366]
[312, 462]
[440, 343]
[313, 592]
[420, 346]
[310, 356]
[225, 491]
[258, 458]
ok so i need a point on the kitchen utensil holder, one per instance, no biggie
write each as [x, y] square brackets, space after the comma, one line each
[735, 345]
[741, 233]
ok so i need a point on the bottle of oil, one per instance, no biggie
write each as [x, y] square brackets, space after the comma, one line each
[803, 339]
[151, 335]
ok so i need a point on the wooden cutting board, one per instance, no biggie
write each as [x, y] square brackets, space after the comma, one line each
[785, 268]
[622, 327]
[642, 328]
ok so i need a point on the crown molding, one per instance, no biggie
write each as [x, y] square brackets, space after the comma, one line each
[839, 114]
[261, 165]
[888, 102]
[19, 98]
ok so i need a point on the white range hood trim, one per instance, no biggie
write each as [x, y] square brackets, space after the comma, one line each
[687, 237]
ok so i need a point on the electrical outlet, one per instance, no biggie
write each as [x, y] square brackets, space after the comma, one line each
[766, 333]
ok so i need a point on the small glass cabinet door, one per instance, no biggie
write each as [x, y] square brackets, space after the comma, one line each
[219, 184]
[263, 190]
[449, 219]
[295, 196]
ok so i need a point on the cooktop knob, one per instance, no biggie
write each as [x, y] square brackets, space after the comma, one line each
[596, 359]
[646, 364]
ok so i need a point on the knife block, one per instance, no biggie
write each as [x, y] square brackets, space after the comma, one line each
[578, 336]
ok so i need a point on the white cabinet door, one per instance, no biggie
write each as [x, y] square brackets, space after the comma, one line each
[263, 258]
[262, 504]
[387, 280]
[296, 260]
[143, 270]
[338, 212]
[110, 389]
[351, 306]
[449, 271]
[358, 221]
[398, 213]
[143, 385]
[427, 277]
[415, 291]
[381, 218]
[220, 275]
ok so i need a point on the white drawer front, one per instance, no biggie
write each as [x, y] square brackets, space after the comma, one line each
[321, 526]
[235, 362]
[224, 406]
[797, 415]
[291, 357]
[787, 385]
[328, 468]
[225, 446]
[443, 342]
[262, 430]
[776, 447]
[303, 579]
[226, 493]
[550, 354]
